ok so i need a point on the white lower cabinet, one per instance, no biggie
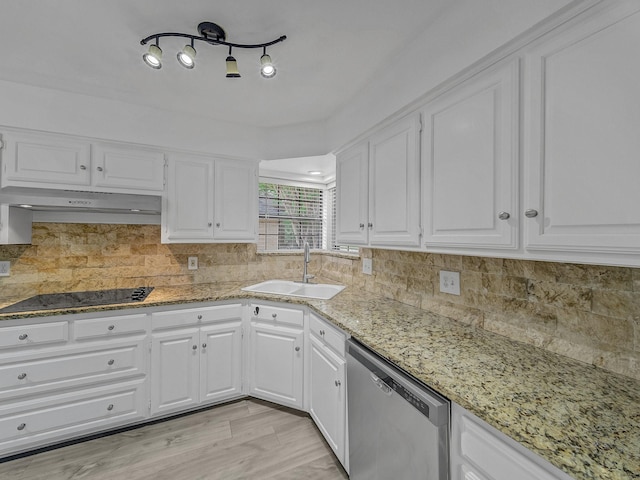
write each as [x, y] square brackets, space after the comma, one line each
[327, 386]
[480, 452]
[276, 354]
[199, 363]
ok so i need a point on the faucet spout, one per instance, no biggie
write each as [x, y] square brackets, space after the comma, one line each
[307, 258]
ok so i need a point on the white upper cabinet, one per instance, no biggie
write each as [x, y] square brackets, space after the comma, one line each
[42, 160]
[352, 195]
[210, 200]
[470, 163]
[124, 167]
[582, 140]
[378, 188]
[394, 178]
[236, 200]
[48, 161]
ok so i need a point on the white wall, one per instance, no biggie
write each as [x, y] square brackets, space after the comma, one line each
[452, 42]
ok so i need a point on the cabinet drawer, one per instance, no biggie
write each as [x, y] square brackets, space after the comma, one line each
[328, 334]
[30, 374]
[32, 335]
[54, 418]
[277, 315]
[192, 316]
[106, 327]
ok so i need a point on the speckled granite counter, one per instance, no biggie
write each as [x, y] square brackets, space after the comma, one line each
[584, 420]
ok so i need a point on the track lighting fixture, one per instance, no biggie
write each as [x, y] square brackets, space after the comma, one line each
[213, 35]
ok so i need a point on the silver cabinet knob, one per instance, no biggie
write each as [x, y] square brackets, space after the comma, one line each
[370, 225]
[531, 213]
[322, 333]
[99, 169]
[204, 345]
[218, 225]
[504, 216]
[111, 327]
[199, 317]
[83, 167]
[21, 426]
[274, 315]
[110, 407]
[195, 347]
[209, 224]
[23, 336]
[22, 376]
[111, 362]
[361, 226]
[338, 383]
[297, 349]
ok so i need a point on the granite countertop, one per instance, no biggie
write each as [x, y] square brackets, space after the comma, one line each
[582, 419]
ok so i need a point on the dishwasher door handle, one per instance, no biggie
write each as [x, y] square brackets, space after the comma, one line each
[386, 389]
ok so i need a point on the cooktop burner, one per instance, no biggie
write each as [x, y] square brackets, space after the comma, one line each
[52, 301]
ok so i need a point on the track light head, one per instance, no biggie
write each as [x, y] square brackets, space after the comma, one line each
[267, 69]
[187, 57]
[153, 57]
[232, 68]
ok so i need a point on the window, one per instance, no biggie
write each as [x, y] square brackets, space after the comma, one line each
[289, 217]
[331, 196]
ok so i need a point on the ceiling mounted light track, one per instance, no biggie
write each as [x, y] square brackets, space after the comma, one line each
[212, 34]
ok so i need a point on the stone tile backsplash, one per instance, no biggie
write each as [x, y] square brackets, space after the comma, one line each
[589, 313]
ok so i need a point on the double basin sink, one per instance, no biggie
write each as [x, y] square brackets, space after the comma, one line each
[321, 291]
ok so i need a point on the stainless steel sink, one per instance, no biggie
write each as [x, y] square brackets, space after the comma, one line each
[322, 291]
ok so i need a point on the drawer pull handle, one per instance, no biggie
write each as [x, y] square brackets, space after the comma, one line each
[195, 347]
[338, 383]
[256, 311]
[504, 216]
[274, 315]
[22, 376]
[204, 345]
[21, 426]
[297, 349]
[100, 169]
[111, 362]
[199, 317]
[531, 213]
[83, 167]
[111, 327]
[322, 333]
[23, 336]
[110, 407]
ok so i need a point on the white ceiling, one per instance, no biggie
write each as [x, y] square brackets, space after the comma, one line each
[334, 48]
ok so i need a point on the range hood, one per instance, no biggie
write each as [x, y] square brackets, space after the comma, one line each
[43, 200]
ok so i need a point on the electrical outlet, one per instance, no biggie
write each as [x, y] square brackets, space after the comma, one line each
[367, 266]
[450, 282]
[192, 263]
[5, 269]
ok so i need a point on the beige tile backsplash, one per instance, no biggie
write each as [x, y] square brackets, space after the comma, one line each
[590, 313]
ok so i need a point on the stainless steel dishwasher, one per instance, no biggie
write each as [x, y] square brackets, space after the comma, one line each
[398, 427]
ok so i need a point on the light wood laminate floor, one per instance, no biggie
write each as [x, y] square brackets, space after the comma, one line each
[248, 439]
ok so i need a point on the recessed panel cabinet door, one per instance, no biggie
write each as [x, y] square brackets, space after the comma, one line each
[470, 163]
[50, 160]
[276, 364]
[352, 195]
[175, 376]
[220, 361]
[189, 200]
[236, 201]
[583, 139]
[124, 167]
[394, 185]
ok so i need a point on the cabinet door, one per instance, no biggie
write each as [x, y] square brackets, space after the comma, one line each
[49, 160]
[189, 200]
[221, 361]
[582, 137]
[328, 395]
[129, 168]
[394, 185]
[236, 201]
[470, 163]
[276, 364]
[352, 195]
[174, 370]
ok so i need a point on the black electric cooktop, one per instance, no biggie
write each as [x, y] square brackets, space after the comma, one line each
[53, 301]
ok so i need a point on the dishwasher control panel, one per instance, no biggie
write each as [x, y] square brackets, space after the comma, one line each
[409, 396]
